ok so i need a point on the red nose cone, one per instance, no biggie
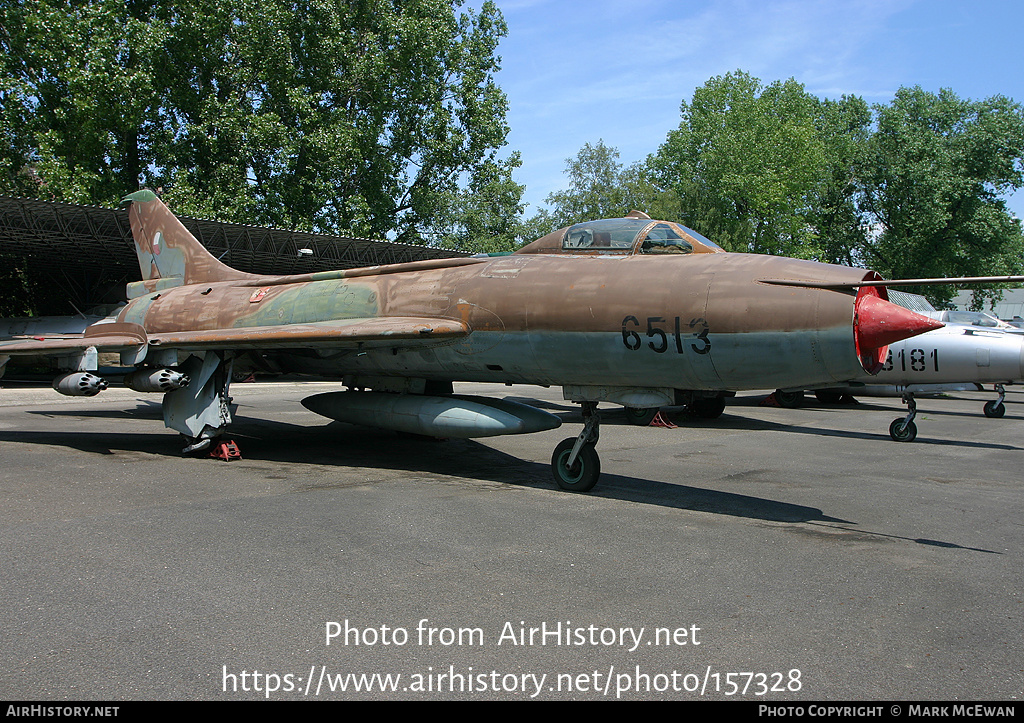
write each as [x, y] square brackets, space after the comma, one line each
[878, 323]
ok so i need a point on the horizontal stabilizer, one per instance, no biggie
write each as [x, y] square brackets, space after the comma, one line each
[105, 337]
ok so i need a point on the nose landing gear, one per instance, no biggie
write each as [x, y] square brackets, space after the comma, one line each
[903, 429]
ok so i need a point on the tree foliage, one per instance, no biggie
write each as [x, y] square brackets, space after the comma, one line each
[380, 117]
[911, 188]
[931, 185]
[600, 187]
[746, 159]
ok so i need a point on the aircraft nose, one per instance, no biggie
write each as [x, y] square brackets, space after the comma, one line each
[878, 323]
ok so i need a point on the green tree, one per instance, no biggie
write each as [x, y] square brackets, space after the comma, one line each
[78, 101]
[833, 211]
[600, 187]
[15, 299]
[595, 187]
[380, 117]
[932, 186]
[746, 161]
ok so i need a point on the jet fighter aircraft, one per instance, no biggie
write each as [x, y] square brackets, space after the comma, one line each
[635, 329]
[932, 362]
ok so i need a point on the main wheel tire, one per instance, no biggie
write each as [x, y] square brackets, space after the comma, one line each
[582, 476]
[708, 407]
[994, 409]
[901, 432]
[641, 417]
[789, 400]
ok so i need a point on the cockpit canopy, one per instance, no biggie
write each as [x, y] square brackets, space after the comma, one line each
[623, 236]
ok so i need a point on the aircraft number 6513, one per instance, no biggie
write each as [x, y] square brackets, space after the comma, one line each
[661, 338]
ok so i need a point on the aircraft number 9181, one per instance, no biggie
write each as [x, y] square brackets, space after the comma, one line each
[916, 360]
[660, 337]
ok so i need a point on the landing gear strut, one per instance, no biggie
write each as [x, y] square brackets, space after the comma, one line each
[575, 463]
[202, 410]
[903, 429]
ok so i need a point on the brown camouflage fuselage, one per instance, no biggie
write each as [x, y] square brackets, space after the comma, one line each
[697, 322]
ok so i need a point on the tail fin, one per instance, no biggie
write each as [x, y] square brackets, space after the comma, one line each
[168, 254]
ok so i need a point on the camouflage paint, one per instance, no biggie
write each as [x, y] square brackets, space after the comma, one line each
[700, 321]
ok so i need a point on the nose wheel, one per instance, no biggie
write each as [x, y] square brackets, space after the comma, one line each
[903, 429]
[580, 475]
[995, 408]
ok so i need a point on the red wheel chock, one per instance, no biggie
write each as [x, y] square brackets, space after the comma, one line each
[226, 451]
[660, 421]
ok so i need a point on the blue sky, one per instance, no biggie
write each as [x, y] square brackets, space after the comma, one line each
[577, 72]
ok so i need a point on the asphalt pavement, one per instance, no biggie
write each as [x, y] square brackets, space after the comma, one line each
[769, 555]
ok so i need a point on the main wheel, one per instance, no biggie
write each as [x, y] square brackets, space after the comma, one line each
[583, 474]
[641, 417]
[197, 446]
[901, 432]
[789, 400]
[994, 409]
[708, 407]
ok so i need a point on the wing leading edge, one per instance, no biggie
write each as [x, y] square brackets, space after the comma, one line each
[341, 334]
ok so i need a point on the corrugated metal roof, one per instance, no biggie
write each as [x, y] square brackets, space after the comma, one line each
[1010, 307]
[914, 302]
[88, 248]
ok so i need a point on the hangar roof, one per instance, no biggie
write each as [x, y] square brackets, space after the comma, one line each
[87, 249]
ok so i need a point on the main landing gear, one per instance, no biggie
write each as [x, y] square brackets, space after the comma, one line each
[575, 463]
[639, 416]
[202, 411]
[698, 407]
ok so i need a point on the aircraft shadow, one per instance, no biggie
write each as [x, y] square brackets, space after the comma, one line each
[344, 445]
[875, 404]
[142, 410]
[157, 443]
[729, 422]
[922, 408]
[678, 416]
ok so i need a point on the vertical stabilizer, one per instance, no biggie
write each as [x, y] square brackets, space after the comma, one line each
[168, 254]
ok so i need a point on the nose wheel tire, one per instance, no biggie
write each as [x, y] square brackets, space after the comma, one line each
[994, 409]
[583, 474]
[903, 431]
